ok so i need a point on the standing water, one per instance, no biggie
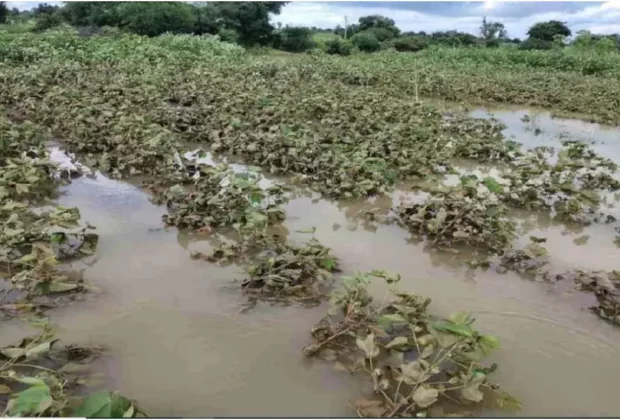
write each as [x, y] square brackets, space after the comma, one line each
[180, 346]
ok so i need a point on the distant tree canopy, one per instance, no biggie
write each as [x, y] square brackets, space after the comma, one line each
[366, 42]
[245, 22]
[85, 13]
[45, 8]
[249, 19]
[4, 12]
[296, 39]
[601, 43]
[492, 32]
[379, 25]
[452, 38]
[546, 31]
[156, 18]
[248, 23]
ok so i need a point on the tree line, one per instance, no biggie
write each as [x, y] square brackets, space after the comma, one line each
[248, 24]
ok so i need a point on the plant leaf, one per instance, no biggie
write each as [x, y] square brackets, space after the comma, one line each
[425, 396]
[12, 352]
[103, 404]
[33, 400]
[459, 329]
[39, 350]
[398, 341]
[472, 393]
[368, 346]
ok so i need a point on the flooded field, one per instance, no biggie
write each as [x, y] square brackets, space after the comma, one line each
[179, 344]
[247, 237]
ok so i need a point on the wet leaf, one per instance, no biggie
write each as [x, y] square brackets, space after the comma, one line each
[493, 186]
[34, 400]
[389, 276]
[425, 396]
[489, 343]
[329, 263]
[459, 329]
[472, 393]
[103, 404]
[13, 352]
[387, 320]
[415, 372]
[368, 346]
[370, 408]
[398, 341]
[39, 350]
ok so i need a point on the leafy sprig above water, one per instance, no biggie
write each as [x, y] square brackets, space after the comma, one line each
[419, 365]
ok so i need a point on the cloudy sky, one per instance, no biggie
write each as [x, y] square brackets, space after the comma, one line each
[598, 17]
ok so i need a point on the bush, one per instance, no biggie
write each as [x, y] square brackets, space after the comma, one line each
[382, 34]
[296, 39]
[535, 44]
[366, 42]
[409, 43]
[48, 20]
[339, 46]
[152, 19]
[228, 35]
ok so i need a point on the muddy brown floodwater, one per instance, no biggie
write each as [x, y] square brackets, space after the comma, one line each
[179, 345]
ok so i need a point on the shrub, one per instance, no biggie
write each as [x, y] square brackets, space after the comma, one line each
[409, 43]
[152, 19]
[366, 42]
[48, 20]
[296, 39]
[382, 34]
[535, 44]
[228, 35]
[339, 46]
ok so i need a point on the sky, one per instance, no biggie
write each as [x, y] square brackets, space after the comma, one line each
[429, 16]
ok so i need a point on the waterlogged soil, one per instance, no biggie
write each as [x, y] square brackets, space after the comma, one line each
[181, 347]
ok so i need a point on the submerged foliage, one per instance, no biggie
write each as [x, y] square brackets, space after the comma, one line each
[606, 288]
[289, 271]
[469, 214]
[37, 379]
[419, 365]
[33, 242]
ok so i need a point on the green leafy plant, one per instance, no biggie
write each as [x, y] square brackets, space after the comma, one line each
[419, 365]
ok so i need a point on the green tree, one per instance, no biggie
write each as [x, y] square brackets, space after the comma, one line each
[409, 43]
[382, 34]
[535, 44]
[296, 39]
[605, 44]
[547, 30]
[48, 20]
[339, 46]
[86, 13]
[366, 42]
[205, 19]
[492, 32]
[384, 28]
[156, 18]
[45, 8]
[452, 38]
[228, 35]
[4, 12]
[249, 19]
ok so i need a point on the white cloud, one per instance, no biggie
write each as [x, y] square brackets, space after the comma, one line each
[27, 5]
[598, 18]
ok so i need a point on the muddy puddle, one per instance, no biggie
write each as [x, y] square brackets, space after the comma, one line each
[179, 345]
[534, 128]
